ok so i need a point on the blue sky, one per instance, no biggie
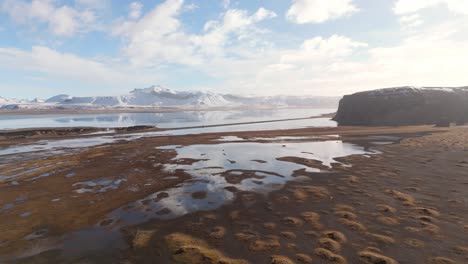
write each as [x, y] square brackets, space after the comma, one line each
[317, 47]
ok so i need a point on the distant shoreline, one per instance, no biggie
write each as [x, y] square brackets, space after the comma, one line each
[142, 110]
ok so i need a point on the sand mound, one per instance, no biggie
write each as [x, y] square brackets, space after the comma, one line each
[335, 235]
[142, 238]
[288, 234]
[312, 219]
[217, 232]
[186, 249]
[292, 221]
[415, 243]
[281, 260]
[441, 260]
[353, 225]
[427, 211]
[387, 220]
[385, 208]
[303, 258]
[371, 257]
[271, 242]
[245, 236]
[329, 256]
[317, 191]
[382, 238]
[269, 226]
[346, 214]
[330, 244]
[406, 199]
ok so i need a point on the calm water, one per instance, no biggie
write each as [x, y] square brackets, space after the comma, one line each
[164, 120]
[179, 120]
[233, 158]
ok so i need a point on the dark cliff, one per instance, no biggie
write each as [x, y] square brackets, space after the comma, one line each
[404, 106]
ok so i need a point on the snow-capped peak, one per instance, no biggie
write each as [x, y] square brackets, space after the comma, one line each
[158, 96]
[58, 98]
[155, 89]
[37, 100]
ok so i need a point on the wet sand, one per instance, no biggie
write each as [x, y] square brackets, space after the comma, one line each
[407, 204]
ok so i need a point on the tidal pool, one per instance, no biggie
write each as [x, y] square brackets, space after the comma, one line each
[243, 166]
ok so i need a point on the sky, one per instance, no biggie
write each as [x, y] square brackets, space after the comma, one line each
[289, 47]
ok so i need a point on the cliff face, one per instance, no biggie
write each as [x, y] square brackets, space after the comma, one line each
[404, 106]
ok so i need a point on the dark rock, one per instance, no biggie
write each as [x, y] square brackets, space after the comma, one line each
[134, 128]
[404, 106]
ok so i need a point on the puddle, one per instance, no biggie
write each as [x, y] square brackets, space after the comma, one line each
[381, 143]
[226, 167]
[229, 138]
[9, 206]
[98, 186]
[25, 214]
[37, 234]
[70, 175]
[45, 145]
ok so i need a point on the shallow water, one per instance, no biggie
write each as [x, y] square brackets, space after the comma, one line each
[89, 141]
[258, 160]
[163, 120]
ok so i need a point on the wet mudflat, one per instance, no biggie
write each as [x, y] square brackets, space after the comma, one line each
[130, 200]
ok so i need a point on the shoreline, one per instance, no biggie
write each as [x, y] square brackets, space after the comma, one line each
[142, 110]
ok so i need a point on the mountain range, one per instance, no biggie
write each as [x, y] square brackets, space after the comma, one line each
[157, 96]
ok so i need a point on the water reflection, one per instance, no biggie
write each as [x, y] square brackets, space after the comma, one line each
[225, 167]
[77, 143]
[164, 120]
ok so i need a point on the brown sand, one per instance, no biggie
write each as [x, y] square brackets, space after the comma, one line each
[407, 205]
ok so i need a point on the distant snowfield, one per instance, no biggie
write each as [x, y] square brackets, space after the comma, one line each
[157, 96]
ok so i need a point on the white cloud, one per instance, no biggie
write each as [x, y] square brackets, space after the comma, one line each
[411, 21]
[158, 36]
[318, 49]
[49, 61]
[319, 11]
[190, 7]
[433, 57]
[135, 10]
[235, 25]
[410, 6]
[61, 20]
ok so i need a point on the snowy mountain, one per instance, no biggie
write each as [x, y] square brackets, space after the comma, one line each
[37, 100]
[157, 96]
[58, 98]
